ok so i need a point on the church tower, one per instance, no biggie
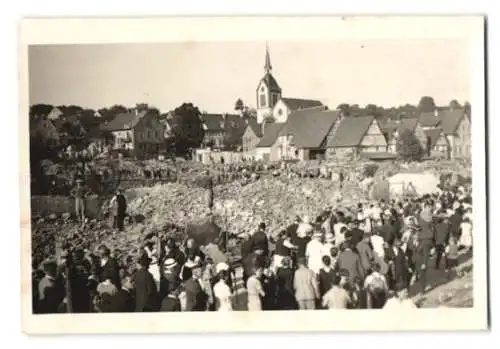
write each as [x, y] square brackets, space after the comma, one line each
[268, 91]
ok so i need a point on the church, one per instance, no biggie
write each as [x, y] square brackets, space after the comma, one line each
[270, 102]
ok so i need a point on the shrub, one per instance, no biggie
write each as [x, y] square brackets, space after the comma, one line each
[369, 170]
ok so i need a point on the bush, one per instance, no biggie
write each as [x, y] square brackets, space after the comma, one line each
[409, 147]
[369, 170]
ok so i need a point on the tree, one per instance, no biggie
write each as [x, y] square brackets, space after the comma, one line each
[426, 104]
[239, 105]
[408, 146]
[454, 104]
[38, 110]
[344, 108]
[187, 128]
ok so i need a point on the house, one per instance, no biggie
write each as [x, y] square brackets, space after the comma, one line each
[352, 137]
[251, 136]
[223, 130]
[267, 148]
[286, 106]
[437, 144]
[456, 127]
[398, 127]
[304, 134]
[70, 128]
[45, 130]
[139, 132]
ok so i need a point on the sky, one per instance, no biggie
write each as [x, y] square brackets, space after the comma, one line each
[213, 75]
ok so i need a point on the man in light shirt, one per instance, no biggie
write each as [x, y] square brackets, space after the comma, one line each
[314, 253]
[304, 228]
[378, 244]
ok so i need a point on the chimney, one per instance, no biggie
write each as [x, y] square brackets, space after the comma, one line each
[136, 110]
[436, 112]
[263, 126]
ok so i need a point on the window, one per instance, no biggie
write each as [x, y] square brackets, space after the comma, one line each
[274, 98]
[262, 100]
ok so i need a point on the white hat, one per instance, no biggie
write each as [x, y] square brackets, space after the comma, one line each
[449, 212]
[221, 267]
[170, 263]
[306, 220]
[329, 237]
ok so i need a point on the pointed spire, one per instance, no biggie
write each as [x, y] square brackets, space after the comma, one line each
[268, 66]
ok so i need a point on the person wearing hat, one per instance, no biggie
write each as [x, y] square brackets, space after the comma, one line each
[118, 205]
[314, 252]
[171, 302]
[196, 297]
[350, 261]
[260, 240]
[170, 279]
[145, 286]
[221, 290]
[173, 251]
[50, 288]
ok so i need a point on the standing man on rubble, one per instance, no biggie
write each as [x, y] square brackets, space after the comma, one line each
[118, 206]
[79, 194]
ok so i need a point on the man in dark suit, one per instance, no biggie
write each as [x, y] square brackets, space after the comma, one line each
[350, 261]
[259, 240]
[196, 298]
[109, 266]
[123, 301]
[398, 264]
[145, 287]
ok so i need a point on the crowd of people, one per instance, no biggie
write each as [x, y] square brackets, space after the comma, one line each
[366, 257]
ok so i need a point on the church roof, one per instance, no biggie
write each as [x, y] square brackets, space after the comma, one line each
[271, 83]
[299, 103]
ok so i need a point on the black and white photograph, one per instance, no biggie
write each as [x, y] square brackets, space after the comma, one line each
[259, 175]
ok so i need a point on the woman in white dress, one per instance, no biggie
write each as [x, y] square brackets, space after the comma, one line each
[466, 233]
[255, 291]
[222, 292]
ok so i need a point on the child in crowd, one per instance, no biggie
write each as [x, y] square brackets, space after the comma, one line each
[451, 254]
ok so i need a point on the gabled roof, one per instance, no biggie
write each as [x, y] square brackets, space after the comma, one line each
[255, 126]
[221, 122]
[271, 83]
[433, 135]
[124, 121]
[429, 119]
[407, 124]
[309, 127]
[450, 120]
[271, 132]
[298, 103]
[350, 132]
[213, 122]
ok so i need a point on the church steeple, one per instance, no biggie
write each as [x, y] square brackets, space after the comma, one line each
[267, 66]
